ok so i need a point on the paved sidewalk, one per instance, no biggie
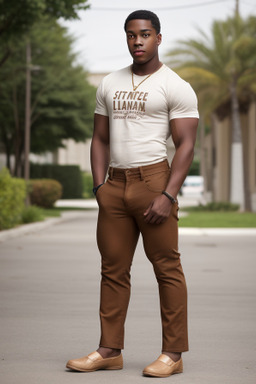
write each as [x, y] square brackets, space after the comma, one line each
[26, 229]
[92, 204]
[49, 295]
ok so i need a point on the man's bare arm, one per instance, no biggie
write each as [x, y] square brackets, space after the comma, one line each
[100, 149]
[184, 137]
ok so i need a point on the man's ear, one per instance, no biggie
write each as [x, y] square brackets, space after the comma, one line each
[159, 38]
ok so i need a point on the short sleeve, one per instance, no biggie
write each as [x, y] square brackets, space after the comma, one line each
[183, 102]
[101, 107]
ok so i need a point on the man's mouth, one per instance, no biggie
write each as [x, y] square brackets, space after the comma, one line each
[138, 52]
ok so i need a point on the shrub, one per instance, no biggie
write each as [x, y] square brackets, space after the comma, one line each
[194, 169]
[12, 197]
[31, 214]
[223, 206]
[69, 176]
[87, 185]
[45, 192]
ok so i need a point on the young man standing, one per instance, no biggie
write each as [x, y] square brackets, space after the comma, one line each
[138, 108]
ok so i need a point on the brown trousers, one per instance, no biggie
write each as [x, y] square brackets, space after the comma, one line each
[122, 201]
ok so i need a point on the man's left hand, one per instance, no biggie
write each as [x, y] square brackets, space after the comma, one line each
[158, 211]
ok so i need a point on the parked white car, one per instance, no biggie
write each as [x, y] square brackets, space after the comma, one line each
[193, 186]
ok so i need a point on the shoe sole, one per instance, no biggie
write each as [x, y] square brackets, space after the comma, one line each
[159, 375]
[93, 370]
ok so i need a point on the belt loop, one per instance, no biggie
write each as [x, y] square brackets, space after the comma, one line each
[141, 173]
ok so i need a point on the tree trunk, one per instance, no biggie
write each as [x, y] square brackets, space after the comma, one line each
[8, 158]
[19, 160]
[5, 57]
[237, 188]
[203, 169]
[7, 147]
[247, 198]
[17, 137]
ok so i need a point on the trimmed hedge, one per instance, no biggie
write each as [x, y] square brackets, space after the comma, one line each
[45, 192]
[222, 206]
[87, 185]
[69, 176]
[194, 169]
[12, 199]
[32, 214]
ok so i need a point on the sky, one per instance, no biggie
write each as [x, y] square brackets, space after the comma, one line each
[100, 40]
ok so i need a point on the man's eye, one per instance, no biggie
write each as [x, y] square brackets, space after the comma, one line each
[145, 35]
[130, 36]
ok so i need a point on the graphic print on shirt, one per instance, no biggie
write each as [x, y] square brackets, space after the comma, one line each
[129, 104]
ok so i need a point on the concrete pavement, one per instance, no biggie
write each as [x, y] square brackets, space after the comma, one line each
[92, 204]
[49, 290]
[187, 201]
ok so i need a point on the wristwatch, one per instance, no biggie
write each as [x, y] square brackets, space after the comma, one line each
[95, 189]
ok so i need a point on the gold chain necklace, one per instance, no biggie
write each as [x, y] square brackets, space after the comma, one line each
[136, 86]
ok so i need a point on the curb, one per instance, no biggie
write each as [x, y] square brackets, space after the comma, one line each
[71, 215]
[217, 231]
[34, 227]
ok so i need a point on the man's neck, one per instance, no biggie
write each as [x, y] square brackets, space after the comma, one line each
[146, 68]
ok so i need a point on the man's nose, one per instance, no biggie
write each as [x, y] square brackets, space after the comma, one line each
[138, 41]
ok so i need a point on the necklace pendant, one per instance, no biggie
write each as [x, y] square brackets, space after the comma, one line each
[136, 86]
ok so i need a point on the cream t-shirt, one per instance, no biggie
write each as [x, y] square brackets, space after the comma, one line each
[139, 120]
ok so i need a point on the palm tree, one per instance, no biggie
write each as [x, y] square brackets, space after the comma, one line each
[222, 70]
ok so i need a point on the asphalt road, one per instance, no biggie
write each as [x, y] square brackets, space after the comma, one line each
[49, 297]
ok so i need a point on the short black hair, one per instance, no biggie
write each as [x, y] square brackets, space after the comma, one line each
[145, 15]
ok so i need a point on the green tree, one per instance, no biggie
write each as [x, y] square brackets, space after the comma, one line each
[222, 69]
[62, 98]
[16, 17]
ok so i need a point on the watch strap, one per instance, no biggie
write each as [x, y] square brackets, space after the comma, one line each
[170, 197]
[95, 189]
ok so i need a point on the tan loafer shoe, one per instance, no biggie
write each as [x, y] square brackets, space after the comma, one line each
[95, 361]
[164, 366]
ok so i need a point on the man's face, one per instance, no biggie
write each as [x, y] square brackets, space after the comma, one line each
[142, 40]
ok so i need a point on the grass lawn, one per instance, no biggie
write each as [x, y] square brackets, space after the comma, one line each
[56, 212]
[194, 219]
[51, 212]
[218, 220]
